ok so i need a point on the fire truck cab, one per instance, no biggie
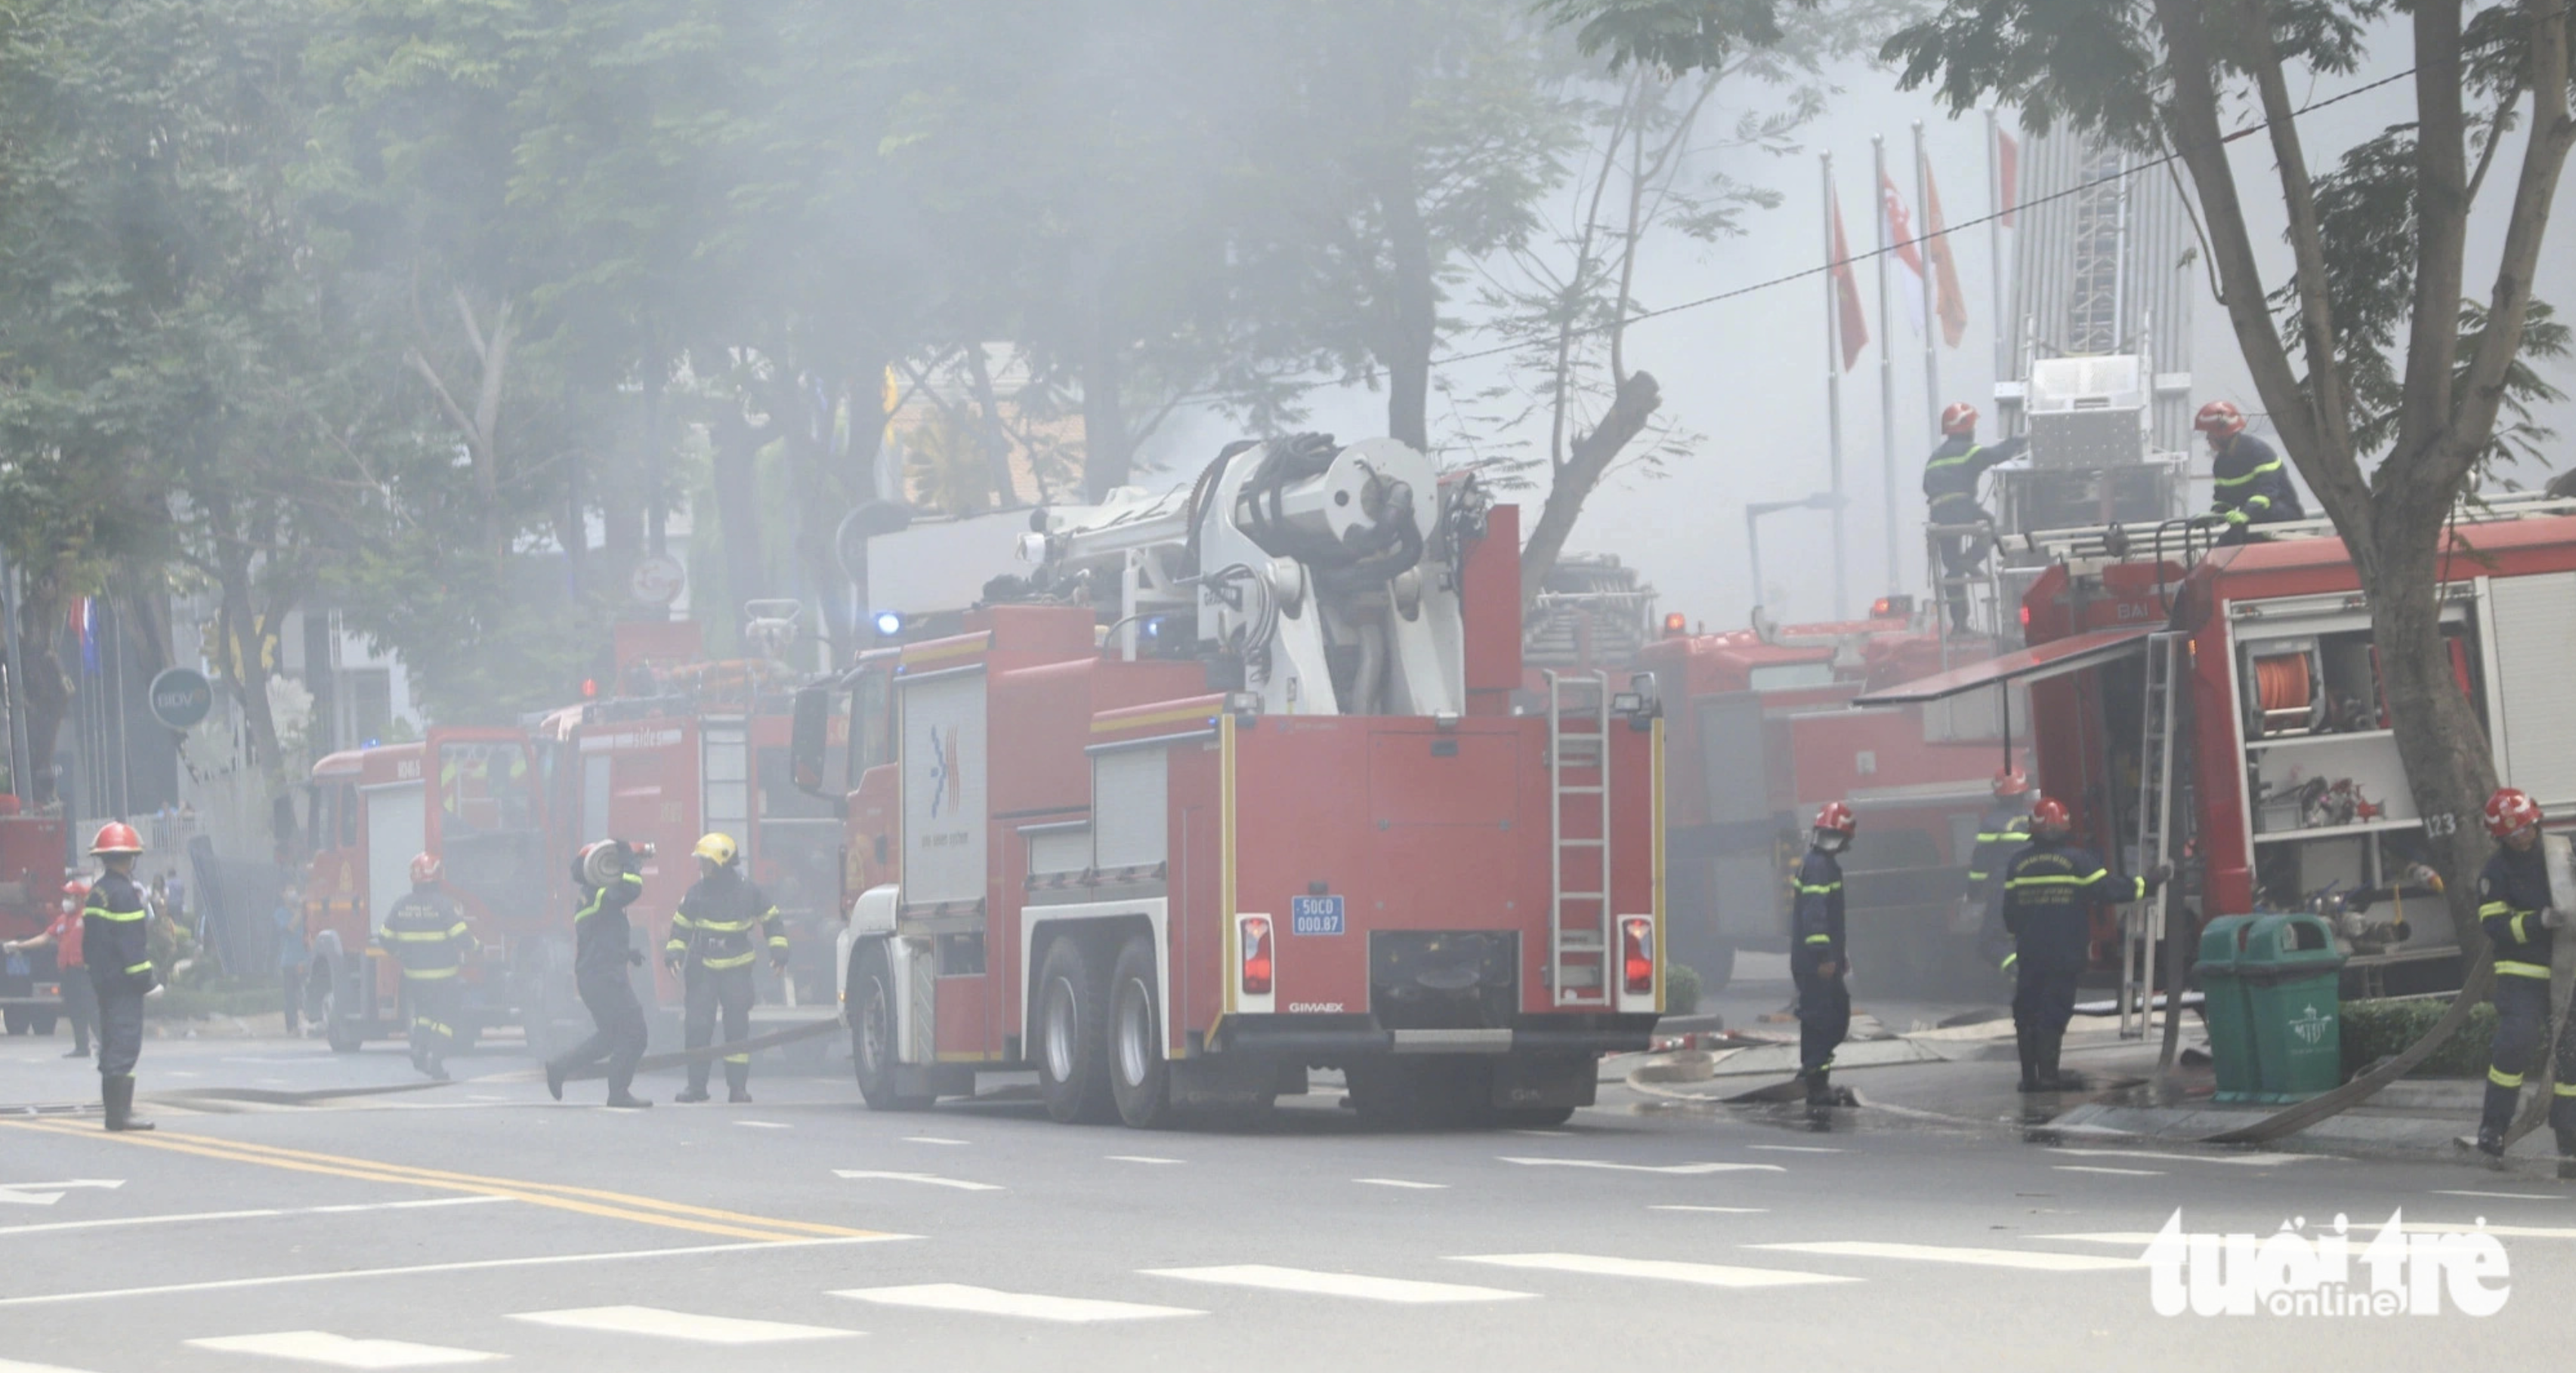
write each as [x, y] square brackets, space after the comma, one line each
[31, 891]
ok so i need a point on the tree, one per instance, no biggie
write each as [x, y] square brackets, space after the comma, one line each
[2389, 464]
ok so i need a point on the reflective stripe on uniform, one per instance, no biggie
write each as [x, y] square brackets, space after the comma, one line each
[120, 917]
[1820, 939]
[2494, 908]
[601, 895]
[429, 974]
[2273, 466]
[720, 964]
[2515, 925]
[2564, 1089]
[2501, 1078]
[2508, 968]
[2010, 959]
[143, 967]
[1827, 889]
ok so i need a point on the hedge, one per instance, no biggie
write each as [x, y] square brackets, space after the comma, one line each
[2374, 1030]
[1681, 989]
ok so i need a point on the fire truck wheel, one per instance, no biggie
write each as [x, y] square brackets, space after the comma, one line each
[871, 990]
[14, 1021]
[1073, 1035]
[1139, 1079]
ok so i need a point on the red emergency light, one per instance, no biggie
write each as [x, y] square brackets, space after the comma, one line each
[590, 688]
[1637, 945]
[1675, 625]
[1256, 956]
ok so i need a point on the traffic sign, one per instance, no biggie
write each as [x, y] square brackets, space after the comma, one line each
[181, 697]
[657, 580]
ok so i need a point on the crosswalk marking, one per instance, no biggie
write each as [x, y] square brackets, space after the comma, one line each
[2502, 1196]
[986, 1301]
[14, 1366]
[2113, 1172]
[1795, 1148]
[764, 1125]
[2034, 1260]
[1400, 1182]
[1140, 1158]
[1703, 1274]
[679, 1325]
[339, 1351]
[930, 1139]
[1679, 1169]
[926, 1179]
[1715, 1210]
[2239, 1160]
[1322, 1284]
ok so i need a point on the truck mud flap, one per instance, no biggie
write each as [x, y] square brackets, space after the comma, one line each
[1526, 1080]
[1234, 1080]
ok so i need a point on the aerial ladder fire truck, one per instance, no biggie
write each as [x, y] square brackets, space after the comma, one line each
[1226, 785]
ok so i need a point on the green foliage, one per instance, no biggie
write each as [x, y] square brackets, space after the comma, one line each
[1681, 989]
[2374, 1030]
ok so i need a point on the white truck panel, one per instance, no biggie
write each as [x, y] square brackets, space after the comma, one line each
[944, 817]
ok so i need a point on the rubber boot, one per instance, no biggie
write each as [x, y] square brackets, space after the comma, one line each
[2028, 1042]
[2058, 1078]
[696, 1091]
[738, 1083]
[2046, 1045]
[2496, 1118]
[119, 1094]
[1820, 1090]
[554, 1079]
[619, 1096]
[2566, 1152]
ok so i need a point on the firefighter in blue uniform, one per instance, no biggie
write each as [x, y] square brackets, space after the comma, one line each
[2251, 485]
[711, 948]
[2514, 909]
[1950, 488]
[115, 928]
[1818, 959]
[2050, 889]
[2001, 833]
[604, 873]
[430, 940]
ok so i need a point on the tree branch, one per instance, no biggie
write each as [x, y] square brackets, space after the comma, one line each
[2544, 157]
[2441, 231]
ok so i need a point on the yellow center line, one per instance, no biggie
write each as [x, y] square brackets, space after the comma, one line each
[641, 1210]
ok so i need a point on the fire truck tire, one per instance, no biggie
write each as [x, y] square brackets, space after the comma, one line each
[1073, 1035]
[14, 1021]
[44, 1024]
[871, 992]
[1532, 1117]
[1139, 1078]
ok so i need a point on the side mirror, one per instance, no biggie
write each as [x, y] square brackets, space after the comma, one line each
[808, 736]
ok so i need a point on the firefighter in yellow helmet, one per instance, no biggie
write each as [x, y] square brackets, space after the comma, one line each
[715, 939]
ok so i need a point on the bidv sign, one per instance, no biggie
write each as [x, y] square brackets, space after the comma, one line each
[2399, 1272]
[181, 698]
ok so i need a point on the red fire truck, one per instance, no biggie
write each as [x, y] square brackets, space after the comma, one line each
[2222, 706]
[1229, 787]
[474, 799]
[31, 891]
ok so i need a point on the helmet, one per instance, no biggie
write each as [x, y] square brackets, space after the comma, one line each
[116, 837]
[2011, 782]
[2509, 810]
[2220, 419]
[1837, 818]
[1959, 418]
[2049, 817]
[717, 847]
[424, 869]
[76, 888]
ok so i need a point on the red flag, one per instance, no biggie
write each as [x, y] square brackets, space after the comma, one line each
[1853, 324]
[2009, 158]
[1947, 300]
[1900, 236]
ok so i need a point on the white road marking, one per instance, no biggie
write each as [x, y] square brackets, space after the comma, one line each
[1543, 1134]
[764, 1125]
[931, 1139]
[1794, 1148]
[986, 1301]
[2504, 1196]
[2143, 1238]
[2240, 1160]
[1937, 1253]
[246, 1215]
[1400, 1182]
[1670, 1168]
[1142, 1158]
[1717, 1210]
[926, 1179]
[679, 1325]
[47, 1193]
[2114, 1172]
[339, 1351]
[1702, 1274]
[13, 1366]
[464, 1266]
[1322, 1284]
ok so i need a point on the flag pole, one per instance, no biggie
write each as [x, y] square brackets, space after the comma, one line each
[1886, 361]
[1931, 311]
[1833, 400]
[1995, 243]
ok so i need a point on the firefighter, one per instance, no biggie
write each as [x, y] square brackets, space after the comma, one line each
[63, 936]
[711, 949]
[1817, 959]
[2001, 833]
[2520, 923]
[2050, 889]
[1950, 486]
[430, 940]
[603, 950]
[113, 936]
[2252, 486]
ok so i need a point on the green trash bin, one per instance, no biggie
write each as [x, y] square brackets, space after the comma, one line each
[2226, 1008]
[2292, 975]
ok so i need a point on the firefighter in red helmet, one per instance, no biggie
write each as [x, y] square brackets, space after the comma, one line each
[1950, 487]
[2252, 486]
[430, 939]
[2521, 923]
[114, 934]
[2050, 889]
[1818, 959]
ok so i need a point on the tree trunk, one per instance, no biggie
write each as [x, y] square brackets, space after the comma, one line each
[1590, 458]
[997, 441]
[1412, 311]
[1107, 456]
[48, 693]
[736, 471]
[245, 636]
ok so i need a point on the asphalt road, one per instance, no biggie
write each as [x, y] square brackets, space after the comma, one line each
[481, 1221]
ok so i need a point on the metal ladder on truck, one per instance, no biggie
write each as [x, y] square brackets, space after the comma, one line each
[1578, 775]
[2142, 924]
